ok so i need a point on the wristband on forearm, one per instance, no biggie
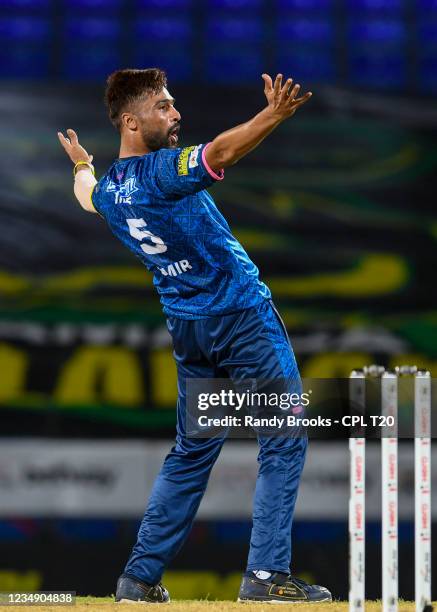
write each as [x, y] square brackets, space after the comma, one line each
[83, 163]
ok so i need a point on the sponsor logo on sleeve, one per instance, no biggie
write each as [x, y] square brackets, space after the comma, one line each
[193, 160]
[183, 161]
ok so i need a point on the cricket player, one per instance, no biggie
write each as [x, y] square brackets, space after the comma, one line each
[220, 315]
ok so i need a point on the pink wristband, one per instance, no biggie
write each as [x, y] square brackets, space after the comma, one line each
[217, 177]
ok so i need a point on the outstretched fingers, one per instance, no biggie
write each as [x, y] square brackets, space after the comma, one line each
[281, 96]
[299, 101]
[278, 85]
[65, 142]
[286, 89]
[73, 136]
[268, 83]
[294, 91]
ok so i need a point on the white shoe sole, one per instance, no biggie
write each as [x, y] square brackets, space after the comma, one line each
[275, 601]
[132, 601]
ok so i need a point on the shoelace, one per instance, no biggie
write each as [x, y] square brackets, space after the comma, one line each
[158, 589]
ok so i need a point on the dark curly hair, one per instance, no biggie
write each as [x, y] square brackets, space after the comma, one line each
[125, 87]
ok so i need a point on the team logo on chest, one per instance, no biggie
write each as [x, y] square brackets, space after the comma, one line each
[123, 192]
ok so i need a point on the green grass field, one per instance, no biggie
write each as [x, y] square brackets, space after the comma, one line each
[106, 604]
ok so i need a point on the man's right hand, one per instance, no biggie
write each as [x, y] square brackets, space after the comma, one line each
[74, 150]
[282, 100]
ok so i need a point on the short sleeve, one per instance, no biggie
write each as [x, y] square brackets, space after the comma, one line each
[180, 172]
[95, 192]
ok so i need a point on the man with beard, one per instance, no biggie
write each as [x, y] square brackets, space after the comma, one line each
[220, 315]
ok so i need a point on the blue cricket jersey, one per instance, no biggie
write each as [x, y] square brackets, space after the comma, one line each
[158, 206]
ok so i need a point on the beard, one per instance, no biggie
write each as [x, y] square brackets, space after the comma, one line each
[157, 140]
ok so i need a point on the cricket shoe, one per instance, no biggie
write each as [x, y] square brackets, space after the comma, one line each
[131, 590]
[280, 588]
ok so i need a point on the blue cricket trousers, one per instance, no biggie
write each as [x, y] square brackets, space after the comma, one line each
[249, 344]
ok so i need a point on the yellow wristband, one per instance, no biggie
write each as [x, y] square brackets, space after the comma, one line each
[83, 163]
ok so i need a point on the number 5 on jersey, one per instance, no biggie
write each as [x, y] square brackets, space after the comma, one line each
[137, 231]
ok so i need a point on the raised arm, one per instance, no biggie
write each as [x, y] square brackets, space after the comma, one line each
[230, 146]
[84, 179]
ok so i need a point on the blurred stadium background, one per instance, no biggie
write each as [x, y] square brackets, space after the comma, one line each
[337, 208]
